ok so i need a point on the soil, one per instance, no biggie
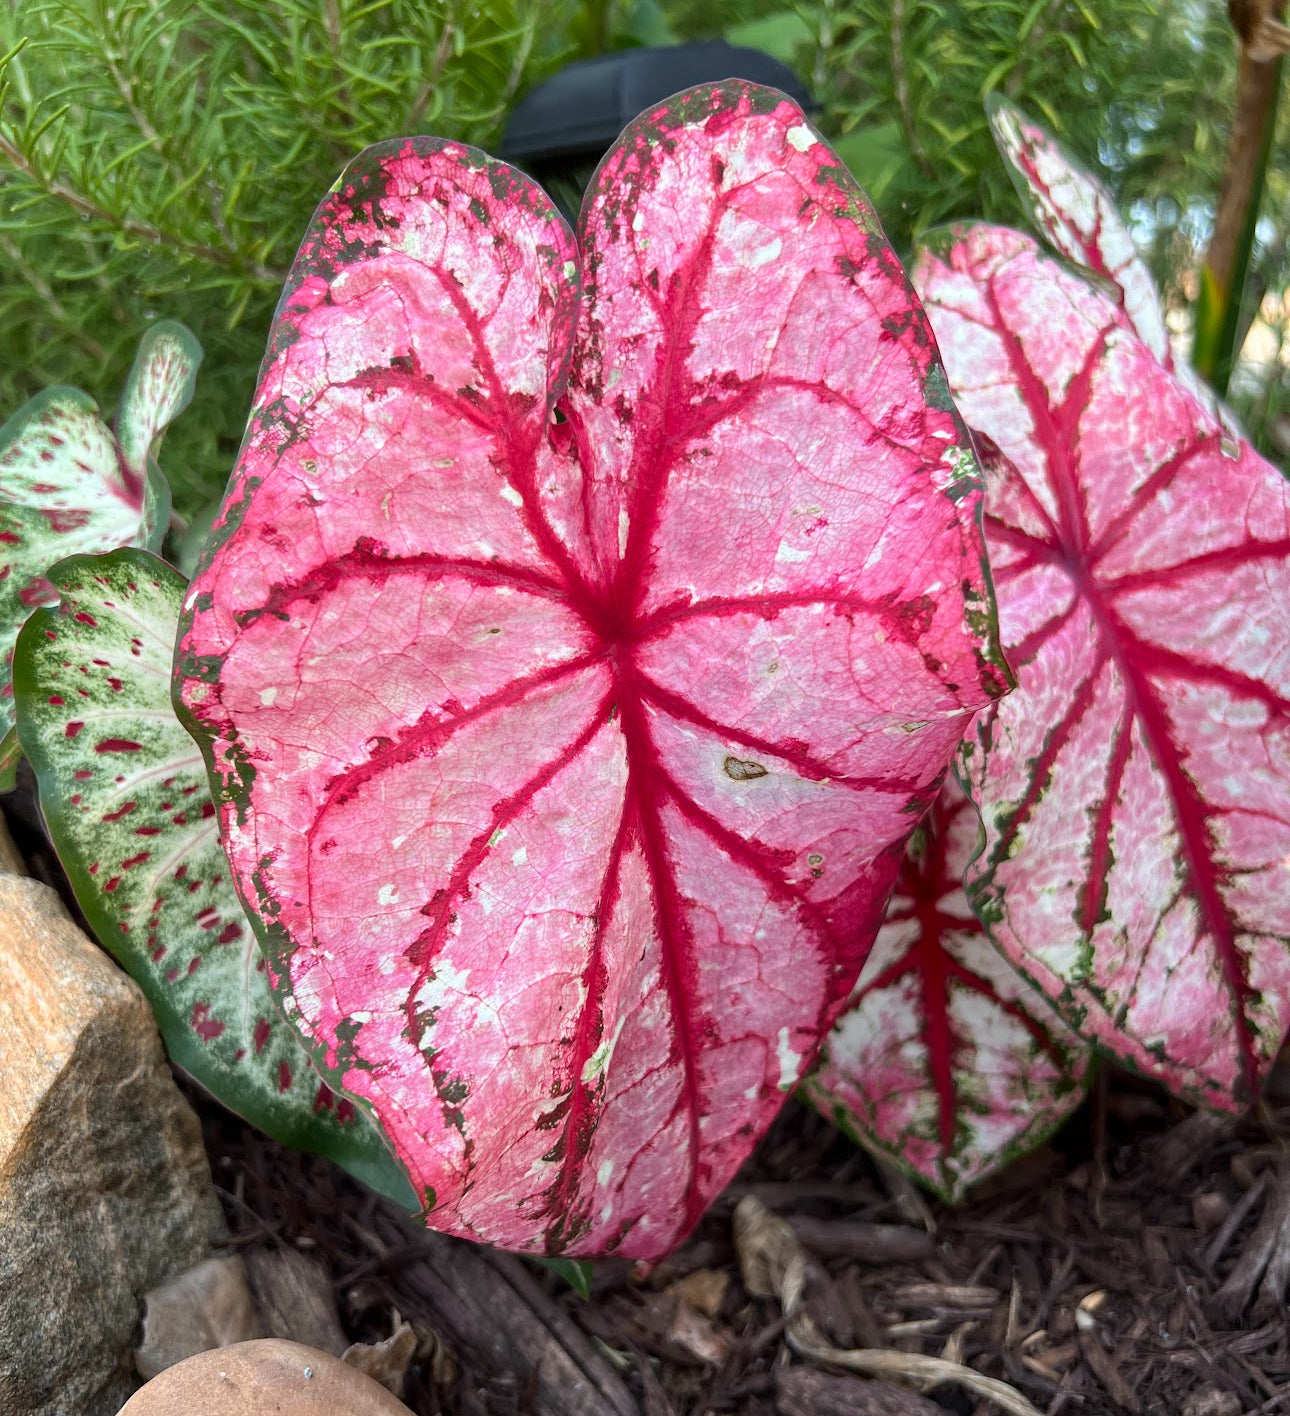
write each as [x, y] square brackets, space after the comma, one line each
[1137, 1263]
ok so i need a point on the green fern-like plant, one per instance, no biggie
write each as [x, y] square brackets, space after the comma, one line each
[160, 157]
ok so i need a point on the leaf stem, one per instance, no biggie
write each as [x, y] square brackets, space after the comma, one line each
[1227, 261]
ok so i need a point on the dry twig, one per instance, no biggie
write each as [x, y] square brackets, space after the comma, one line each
[774, 1265]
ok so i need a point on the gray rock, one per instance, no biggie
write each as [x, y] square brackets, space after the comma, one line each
[104, 1185]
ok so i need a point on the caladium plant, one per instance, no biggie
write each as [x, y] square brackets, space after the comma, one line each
[1136, 788]
[946, 1060]
[71, 485]
[126, 800]
[586, 629]
[918, 1118]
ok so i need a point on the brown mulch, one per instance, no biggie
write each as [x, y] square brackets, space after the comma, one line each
[1138, 1264]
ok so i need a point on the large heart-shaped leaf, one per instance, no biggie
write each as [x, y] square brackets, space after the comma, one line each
[569, 743]
[69, 486]
[946, 1059]
[1136, 788]
[126, 799]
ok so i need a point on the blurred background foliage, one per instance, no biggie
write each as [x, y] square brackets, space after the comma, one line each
[161, 157]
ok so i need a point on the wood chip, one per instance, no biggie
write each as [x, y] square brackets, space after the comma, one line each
[499, 1320]
[965, 1297]
[1235, 1218]
[294, 1296]
[1190, 1141]
[1212, 1401]
[1100, 1364]
[1208, 1210]
[656, 1400]
[1264, 1249]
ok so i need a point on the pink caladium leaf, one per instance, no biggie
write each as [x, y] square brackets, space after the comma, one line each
[1136, 788]
[575, 663]
[947, 1061]
[1079, 217]
[69, 485]
[125, 796]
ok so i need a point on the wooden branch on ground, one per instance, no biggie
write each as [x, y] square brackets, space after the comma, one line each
[499, 1319]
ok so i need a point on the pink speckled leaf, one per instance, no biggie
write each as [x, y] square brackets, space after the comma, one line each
[575, 665]
[946, 1060]
[1136, 788]
[1079, 217]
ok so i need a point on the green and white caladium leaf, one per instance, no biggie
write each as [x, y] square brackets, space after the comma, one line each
[125, 795]
[69, 485]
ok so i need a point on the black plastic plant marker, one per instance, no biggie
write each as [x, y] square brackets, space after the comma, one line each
[582, 109]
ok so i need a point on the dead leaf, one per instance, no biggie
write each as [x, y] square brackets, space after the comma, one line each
[698, 1335]
[704, 1289]
[209, 1306]
[388, 1361]
[774, 1265]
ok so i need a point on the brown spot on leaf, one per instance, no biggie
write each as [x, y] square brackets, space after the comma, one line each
[742, 769]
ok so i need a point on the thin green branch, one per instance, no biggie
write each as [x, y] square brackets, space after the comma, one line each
[140, 231]
[900, 81]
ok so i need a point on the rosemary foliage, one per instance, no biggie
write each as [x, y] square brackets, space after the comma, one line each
[162, 157]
